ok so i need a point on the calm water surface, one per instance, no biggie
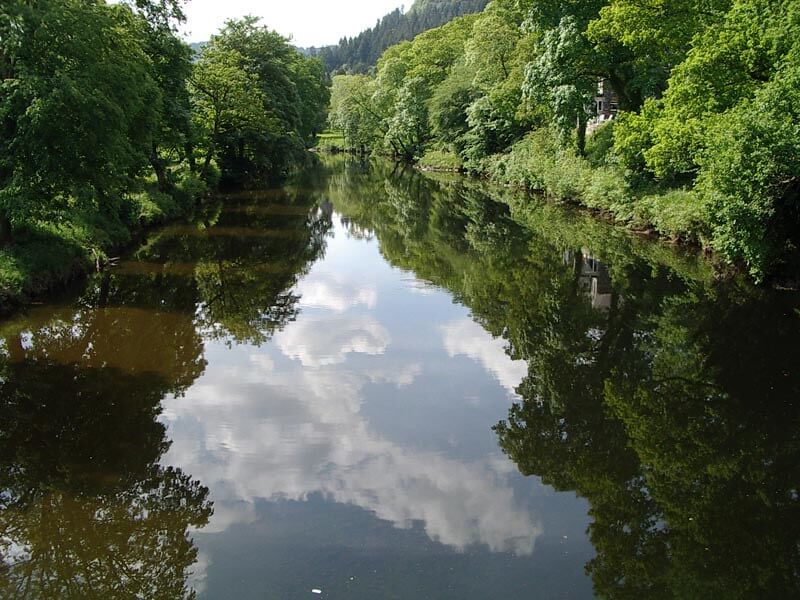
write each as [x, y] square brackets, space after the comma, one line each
[375, 384]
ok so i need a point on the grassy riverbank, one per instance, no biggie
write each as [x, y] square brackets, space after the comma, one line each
[47, 254]
[596, 181]
[540, 165]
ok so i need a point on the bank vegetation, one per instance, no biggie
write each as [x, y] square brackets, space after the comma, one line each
[110, 123]
[680, 117]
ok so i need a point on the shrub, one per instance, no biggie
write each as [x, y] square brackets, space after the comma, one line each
[750, 176]
[600, 145]
[441, 160]
[605, 188]
[678, 214]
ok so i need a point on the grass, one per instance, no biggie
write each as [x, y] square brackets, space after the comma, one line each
[330, 141]
[46, 255]
[538, 163]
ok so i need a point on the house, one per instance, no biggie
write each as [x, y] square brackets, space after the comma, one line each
[594, 278]
[606, 105]
[606, 101]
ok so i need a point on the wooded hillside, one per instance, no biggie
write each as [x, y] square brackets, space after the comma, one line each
[359, 53]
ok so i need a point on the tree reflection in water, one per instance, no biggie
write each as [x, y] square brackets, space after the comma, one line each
[87, 510]
[664, 397]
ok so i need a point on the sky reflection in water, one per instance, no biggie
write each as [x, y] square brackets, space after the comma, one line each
[378, 397]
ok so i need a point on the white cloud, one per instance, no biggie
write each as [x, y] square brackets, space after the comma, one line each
[335, 292]
[402, 377]
[263, 362]
[327, 340]
[464, 336]
[301, 432]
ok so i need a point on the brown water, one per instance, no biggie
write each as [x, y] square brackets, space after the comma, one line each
[374, 384]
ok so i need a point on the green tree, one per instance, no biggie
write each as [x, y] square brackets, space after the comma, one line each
[227, 99]
[277, 74]
[407, 129]
[78, 107]
[564, 77]
[353, 112]
[170, 60]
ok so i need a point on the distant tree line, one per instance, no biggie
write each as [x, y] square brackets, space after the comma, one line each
[360, 53]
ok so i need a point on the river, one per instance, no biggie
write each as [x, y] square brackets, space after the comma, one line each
[374, 383]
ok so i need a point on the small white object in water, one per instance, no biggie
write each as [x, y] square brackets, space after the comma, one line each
[316, 591]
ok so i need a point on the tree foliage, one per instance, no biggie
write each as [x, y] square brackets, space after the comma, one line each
[359, 54]
[695, 83]
[269, 109]
[107, 124]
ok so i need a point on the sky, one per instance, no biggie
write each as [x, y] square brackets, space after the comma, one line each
[307, 22]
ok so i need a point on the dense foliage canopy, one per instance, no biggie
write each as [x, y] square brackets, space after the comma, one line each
[108, 122]
[360, 53]
[705, 144]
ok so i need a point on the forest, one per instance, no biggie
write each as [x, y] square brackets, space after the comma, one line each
[679, 118]
[360, 53]
[111, 124]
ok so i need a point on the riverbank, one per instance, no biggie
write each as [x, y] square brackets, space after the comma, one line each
[47, 255]
[595, 181]
[538, 165]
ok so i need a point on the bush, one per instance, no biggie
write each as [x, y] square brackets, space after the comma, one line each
[155, 207]
[750, 176]
[192, 186]
[441, 160]
[606, 189]
[538, 163]
[600, 146]
[677, 214]
[633, 136]
[527, 163]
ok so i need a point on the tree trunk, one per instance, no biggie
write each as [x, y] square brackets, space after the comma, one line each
[6, 237]
[164, 184]
[189, 149]
[207, 162]
[211, 147]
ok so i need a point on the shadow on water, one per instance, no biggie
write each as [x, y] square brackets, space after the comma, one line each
[666, 398]
[87, 509]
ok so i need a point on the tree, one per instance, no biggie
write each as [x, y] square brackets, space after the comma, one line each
[266, 137]
[170, 60]
[227, 99]
[78, 107]
[408, 127]
[491, 48]
[353, 112]
[564, 77]
[314, 96]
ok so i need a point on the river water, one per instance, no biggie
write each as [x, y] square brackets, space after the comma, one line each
[372, 383]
